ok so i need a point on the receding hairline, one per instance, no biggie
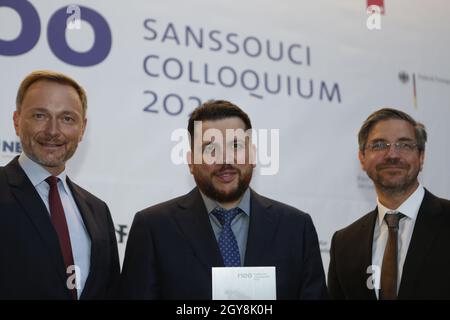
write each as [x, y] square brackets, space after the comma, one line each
[227, 117]
[386, 114]
[40, 81]
[407, 123]
[52, 77]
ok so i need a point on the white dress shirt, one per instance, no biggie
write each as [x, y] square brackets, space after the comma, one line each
[79, 237]
[410, 208]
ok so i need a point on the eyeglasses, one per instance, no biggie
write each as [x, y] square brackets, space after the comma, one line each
[381, 146]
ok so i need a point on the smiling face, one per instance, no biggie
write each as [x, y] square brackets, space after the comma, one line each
[227, 181]
[50, 124]
[393, 171]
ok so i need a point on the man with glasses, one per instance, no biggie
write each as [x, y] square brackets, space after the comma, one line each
[400, 249]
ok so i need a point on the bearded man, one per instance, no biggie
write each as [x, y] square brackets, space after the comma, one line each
[173, 246]
[399, 250]
[57, 240]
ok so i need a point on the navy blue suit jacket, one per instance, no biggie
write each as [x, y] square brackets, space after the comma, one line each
[172, 248]
[31, 263]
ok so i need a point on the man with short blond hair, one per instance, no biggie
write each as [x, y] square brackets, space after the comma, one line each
[58, 240]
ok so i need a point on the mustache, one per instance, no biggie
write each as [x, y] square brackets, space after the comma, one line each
[226, 167]
[49, 139]
[392, 163]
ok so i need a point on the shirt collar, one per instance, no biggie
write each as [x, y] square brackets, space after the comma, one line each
[244, 204]
[410, 207]
[36, 173]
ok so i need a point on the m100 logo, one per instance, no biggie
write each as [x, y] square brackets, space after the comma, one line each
[56, 34]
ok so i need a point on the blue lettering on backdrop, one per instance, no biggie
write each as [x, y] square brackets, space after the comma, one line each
[56, 34]
[154, 35]
[31, 28]
[191, 76]
[233, 76]
[255, 82]
[146, 69]
[233, 44]
[212, 34]
[257, 44]
[170, 34]
[230, 43]
[177, 66]
[13, 147]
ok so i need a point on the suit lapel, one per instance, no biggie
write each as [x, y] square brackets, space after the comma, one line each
[87, 215]
[263, 224]
[425, 230]
[363, 254]
[27, 196]
[194, 223]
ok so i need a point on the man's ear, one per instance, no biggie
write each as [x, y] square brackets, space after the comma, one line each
[421, 159]
[362, 159]
[253, 155]
[83, 129]
[190, 161]
[16, 116]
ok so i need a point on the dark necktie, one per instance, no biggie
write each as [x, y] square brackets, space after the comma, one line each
[390, 263]
[227, 241]
[60, 224]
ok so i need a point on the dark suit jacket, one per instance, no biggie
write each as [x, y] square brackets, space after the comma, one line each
[426, 272]
[31, 263]
[172, 247]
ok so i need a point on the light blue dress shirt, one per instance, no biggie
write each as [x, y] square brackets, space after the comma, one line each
[239, 225]
[79, 237]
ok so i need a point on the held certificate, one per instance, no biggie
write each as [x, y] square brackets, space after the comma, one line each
[243, 283]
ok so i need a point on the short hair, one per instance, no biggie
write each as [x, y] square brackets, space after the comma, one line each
[47, 75]
[386, 114]
[217, 110]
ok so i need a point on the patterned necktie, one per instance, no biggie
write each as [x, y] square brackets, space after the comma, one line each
[390, 263]
[227, 241]
[60, 224]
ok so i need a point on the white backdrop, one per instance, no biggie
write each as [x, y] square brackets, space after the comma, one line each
[125, 155]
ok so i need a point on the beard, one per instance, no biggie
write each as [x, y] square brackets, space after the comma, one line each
[52, 162]
[34, 151]
[206, 185]
[394, 185]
